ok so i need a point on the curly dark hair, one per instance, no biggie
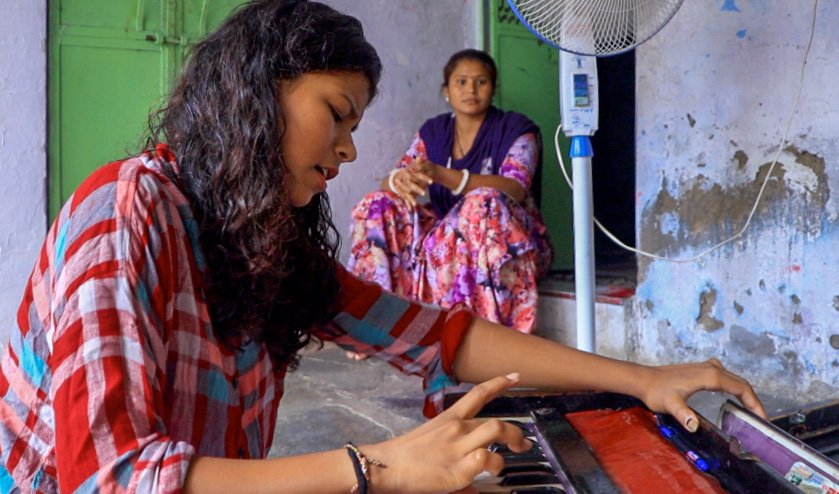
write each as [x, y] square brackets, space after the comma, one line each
[272, 267]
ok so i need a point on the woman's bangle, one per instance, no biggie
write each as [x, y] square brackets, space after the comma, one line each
[462, 185]
[361, 466]
[390, 179]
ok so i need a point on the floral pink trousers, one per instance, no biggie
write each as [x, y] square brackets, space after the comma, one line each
[487, 253]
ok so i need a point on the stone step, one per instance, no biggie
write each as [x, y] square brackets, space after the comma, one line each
[613, 314]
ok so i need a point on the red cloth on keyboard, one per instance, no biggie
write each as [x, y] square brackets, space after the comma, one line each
[636, 456]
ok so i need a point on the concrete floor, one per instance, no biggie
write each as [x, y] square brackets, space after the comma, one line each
[330, 400]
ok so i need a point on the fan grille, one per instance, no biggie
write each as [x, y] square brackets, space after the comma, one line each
[595, 27]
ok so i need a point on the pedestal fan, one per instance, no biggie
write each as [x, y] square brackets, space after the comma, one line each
[582, 30]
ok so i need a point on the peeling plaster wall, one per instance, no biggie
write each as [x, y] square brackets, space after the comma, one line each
[23, 162]
[413, 37]
[715, 90]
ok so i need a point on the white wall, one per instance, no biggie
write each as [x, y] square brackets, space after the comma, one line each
[23, 163]
[715, 88]
[414, 39]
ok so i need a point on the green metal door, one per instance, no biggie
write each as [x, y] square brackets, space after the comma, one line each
[528, 82]
[111, 62]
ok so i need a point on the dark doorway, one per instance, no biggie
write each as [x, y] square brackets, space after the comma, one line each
[613, 164]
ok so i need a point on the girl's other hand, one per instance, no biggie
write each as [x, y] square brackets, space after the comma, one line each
[671, 385]
[446, 453]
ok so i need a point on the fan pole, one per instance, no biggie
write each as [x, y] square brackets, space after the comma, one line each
[581, 153]
[581, 29]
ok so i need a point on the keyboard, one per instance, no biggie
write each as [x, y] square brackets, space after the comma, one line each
[562, 461]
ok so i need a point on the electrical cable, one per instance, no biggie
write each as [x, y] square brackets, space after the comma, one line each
[737, 235]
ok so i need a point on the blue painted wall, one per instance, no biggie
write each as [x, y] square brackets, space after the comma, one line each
[715, 90]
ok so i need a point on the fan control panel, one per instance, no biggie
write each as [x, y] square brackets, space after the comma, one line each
[578, 93]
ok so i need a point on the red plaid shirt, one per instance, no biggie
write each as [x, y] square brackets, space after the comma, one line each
[115, 379]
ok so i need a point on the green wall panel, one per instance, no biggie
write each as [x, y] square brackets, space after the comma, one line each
[528, 82]
[200, 17]
[111, 62]
[133, 15]
[103, 119]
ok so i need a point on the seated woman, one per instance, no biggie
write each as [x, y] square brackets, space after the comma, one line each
[479, 240]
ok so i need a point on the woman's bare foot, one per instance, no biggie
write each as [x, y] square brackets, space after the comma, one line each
[357, 356]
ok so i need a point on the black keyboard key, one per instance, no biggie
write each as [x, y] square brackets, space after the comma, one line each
[529, 479]
[526, 468]
[539, 490]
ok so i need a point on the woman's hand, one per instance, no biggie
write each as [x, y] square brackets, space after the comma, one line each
[671, 385]
[413, 181]
[446, 453]
[425, 170]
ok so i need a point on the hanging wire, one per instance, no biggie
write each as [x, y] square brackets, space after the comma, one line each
[781, 147]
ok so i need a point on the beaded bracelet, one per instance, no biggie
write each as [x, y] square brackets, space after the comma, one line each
[462, 184]
[361, 465]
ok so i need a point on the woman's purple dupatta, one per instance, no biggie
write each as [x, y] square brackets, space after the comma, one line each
[497, 134]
